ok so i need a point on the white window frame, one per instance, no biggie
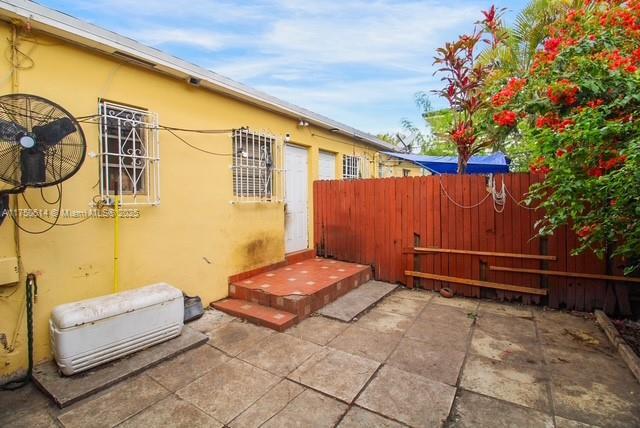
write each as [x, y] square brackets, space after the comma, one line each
[354, 167]
[129, 144]
[257, 167]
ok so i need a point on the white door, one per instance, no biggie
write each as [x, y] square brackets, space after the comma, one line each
[327, 166]
[297, 199]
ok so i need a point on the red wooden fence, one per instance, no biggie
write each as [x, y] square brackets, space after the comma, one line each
[378, 221]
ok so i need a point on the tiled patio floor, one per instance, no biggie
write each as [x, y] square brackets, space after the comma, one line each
[415, 359]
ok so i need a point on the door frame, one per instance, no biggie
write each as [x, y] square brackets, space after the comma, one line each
[309, 191]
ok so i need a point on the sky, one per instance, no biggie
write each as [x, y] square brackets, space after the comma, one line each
[360, 62]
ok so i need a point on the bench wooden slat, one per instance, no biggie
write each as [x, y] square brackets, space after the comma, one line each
[476, 283]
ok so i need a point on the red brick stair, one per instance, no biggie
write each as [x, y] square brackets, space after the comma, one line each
[258, 314]
[298, 289]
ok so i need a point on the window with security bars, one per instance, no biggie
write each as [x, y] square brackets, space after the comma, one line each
[129, 155]
[351, 167]
[257, 167]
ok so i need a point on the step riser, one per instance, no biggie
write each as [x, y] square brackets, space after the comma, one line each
[256, 318]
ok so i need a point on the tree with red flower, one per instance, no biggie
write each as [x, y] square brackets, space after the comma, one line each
[579, 109]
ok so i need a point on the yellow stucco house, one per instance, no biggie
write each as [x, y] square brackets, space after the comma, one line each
[220, 181]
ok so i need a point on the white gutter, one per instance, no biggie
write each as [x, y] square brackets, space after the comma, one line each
[73, 29]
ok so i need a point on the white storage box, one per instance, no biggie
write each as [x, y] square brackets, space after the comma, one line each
[91, 332]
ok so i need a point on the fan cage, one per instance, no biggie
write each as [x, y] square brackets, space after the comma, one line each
[58, 162]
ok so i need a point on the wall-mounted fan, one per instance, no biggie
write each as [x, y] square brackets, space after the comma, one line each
[41, 144]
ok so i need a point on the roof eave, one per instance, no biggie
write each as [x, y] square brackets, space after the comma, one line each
[83, 33]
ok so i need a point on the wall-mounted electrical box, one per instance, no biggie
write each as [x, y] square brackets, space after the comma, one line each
[8, 271]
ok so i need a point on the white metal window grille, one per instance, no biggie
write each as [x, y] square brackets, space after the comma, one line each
[129, 155]
[258, 162]
[353, 167]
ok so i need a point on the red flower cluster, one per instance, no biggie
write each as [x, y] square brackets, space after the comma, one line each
[464, 137]
[595, 103]
[563, 93]
[621, 17]
[553, 121]
[552, 46]
[586, 231]
[506, 118]
[514, 85]
[617, 61]
[606, 166]
[539, 166]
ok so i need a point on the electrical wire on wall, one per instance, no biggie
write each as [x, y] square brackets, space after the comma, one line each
[93, 119]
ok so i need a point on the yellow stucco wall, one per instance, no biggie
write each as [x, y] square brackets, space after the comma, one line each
[393, 167]
[194, 239]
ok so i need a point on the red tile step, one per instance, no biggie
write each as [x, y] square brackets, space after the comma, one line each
[258, 314]
[302, 287]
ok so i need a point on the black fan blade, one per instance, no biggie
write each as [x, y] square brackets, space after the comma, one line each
[32, 163]
[53, 132]
[9, 131]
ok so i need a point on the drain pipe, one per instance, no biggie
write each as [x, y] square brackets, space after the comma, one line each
[116, 245]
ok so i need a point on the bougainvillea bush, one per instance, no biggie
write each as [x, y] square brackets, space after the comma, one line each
[580, 104]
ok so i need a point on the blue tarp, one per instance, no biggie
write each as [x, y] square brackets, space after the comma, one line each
[496, 163]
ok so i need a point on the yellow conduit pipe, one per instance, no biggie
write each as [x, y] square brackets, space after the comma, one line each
[116, 245]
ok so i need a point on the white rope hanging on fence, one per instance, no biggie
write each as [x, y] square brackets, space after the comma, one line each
[499, 196]
[466, 207]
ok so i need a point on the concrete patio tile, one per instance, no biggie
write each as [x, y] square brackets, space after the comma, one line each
[505, 309]
[516, 383]
[357, 417]
[508, 328]
[568, 423]
[268, 405]
[185, 368]
[447, 314]
[309, 409]
[422, 295]
[319, 330]
[39, 418]
[402, 306]
[384, 322]
[561, 329]
[335, 373]
[596, 399]
[366, 343]
[352, 304]
[117, 404]
[171, 412]
[435, 363]
[468, 305]
[472, 410]
[281, 354]
[586, 365]
[228, 389]
[19, 404]
[407, 397]
[210, 320]
[441, 334]
[502, 349]
[236, 336]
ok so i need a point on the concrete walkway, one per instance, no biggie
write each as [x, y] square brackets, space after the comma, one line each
[415, 359]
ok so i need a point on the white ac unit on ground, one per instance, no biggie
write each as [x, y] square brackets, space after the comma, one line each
[92, 332]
